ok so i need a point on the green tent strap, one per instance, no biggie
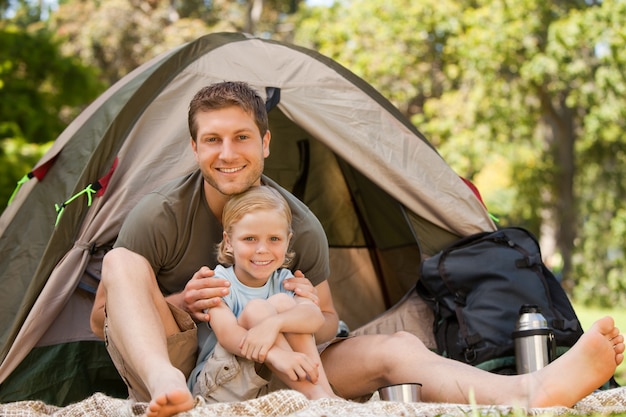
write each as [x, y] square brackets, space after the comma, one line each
[96, 188]
[39, 173]
[60, 208]
[21, 182]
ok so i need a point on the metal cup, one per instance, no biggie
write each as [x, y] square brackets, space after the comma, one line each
[406, 393]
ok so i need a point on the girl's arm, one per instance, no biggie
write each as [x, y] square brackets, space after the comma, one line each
[228, 332]
[304, 317]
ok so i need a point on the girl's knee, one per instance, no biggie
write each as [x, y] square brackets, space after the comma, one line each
[254, 312]
[259, 306]
[282, 302]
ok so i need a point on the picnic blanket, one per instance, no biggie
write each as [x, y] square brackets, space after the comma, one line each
[291, 403]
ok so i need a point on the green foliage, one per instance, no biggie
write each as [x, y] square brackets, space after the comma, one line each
[396, 45]
[525, 98]
[38, 86]
[117, 36]
[601, 150]
[18, 158]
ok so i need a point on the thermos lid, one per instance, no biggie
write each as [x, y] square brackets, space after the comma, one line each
[531, 318]
[529, 308]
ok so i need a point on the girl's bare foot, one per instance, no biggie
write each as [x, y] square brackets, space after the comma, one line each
[585, 367]
[316, 392]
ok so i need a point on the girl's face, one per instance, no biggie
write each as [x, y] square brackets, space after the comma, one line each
[259, 242]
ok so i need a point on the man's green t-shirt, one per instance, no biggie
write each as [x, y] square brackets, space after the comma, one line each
[174, 229]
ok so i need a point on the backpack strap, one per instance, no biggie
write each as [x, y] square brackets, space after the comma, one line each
[460, 301]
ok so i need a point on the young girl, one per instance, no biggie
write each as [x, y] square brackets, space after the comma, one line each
[259, 322]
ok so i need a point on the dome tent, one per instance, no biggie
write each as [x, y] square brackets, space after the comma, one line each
[383, 194]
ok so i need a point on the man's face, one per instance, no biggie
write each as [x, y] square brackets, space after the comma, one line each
[229, 149]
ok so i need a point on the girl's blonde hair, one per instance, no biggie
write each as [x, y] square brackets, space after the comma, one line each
[255, 198]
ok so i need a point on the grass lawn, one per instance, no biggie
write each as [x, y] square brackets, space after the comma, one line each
[587, 315]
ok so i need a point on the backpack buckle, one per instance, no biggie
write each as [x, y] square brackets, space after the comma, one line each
[469, 355]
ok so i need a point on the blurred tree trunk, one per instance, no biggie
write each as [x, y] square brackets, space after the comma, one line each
[560, 137]
[255, 9]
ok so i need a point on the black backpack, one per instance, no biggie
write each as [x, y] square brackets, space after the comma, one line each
[476, 287]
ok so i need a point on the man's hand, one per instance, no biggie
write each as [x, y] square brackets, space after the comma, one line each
[203, 292]
[302, 287]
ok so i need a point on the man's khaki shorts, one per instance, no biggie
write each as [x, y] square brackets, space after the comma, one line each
[230, 378]
[182, 348]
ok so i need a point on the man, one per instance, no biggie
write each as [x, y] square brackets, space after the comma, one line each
[155, 283]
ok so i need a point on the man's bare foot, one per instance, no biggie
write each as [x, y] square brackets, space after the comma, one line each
[585, 367]
[170, 394]
[168, 404]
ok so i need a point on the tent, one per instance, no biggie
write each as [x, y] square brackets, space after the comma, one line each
[384, 195]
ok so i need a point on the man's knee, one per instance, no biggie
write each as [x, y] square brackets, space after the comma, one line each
[120, 263]
[111, 261]
[397, 345]
[114, 256]
[404, 338]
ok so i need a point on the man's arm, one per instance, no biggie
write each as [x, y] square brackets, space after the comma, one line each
[201, 293]
[96, 320]
[331, 318]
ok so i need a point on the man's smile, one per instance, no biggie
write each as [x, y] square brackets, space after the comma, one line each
[230, 170]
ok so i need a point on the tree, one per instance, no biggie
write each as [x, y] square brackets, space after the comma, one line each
[546, 85]
[519, 97]
[600, 147]
[117, 36]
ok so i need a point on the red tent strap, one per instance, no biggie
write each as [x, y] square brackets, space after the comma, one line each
[95, 188]
[41, 171]
[103, 182]
[480, 198]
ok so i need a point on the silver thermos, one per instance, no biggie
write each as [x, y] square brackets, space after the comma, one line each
[534, 341]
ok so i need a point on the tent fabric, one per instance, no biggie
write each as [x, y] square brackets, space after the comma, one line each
[385, 197]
